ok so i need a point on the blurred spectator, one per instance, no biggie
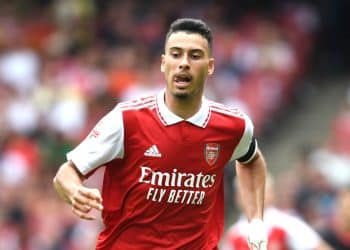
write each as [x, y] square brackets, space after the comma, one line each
[312, 196]
[19, 67]
[21, 115]
[337, 233]
[20, 158]
[333, 159]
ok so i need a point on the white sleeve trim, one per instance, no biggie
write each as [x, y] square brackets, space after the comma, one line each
[243, 145]
[104, 143]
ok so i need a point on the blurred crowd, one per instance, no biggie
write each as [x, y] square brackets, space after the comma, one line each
[317, 188]
[64, 64]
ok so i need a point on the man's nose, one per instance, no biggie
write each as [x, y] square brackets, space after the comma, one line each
[184, 64]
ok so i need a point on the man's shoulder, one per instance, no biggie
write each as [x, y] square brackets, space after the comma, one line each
[224, 109]
[145, 102]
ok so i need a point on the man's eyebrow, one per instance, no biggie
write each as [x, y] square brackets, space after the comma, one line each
[197, 50]
[175, 48]
[192, 50]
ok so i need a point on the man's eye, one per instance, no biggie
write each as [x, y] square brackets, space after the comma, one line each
[196, 56]
[175, 54]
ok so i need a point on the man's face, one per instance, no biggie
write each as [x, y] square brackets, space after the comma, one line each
[186, 64]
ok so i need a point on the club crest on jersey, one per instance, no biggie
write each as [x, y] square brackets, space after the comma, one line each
[211, 152]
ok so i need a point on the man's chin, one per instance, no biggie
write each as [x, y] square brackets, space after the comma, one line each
[181, 95]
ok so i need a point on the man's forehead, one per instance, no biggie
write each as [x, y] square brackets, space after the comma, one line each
[186, 40]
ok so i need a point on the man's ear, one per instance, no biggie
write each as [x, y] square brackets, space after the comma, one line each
[162, 63]
[211, 66]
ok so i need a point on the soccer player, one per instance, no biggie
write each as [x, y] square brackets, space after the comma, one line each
[165, 158]
[285, 230]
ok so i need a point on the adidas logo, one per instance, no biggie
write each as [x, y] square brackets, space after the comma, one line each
[153, 152]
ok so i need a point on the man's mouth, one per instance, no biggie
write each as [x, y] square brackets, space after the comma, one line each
[182, 79]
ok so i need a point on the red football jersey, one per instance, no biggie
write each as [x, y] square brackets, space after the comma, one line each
[163, 182]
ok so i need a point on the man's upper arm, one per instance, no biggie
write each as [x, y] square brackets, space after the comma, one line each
[104, 143]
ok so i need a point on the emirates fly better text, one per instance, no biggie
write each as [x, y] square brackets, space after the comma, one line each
[176, 187]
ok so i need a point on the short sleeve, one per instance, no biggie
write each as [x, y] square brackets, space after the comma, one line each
[247, 146]
[104, 143]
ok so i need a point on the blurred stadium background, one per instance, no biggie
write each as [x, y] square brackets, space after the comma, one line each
[64, 63]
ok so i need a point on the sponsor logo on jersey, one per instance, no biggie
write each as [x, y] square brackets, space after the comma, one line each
[153, 152]
[176, 178]
[176, 187]
[211, 152]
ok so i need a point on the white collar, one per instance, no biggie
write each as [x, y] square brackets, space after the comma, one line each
[167, 117]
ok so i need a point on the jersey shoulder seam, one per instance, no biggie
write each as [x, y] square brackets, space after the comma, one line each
[141, 103]
[223, 109]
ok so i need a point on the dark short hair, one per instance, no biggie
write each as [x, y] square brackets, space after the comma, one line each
[190, 25]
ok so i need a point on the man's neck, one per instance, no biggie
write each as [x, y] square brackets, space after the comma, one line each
[184, 108]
